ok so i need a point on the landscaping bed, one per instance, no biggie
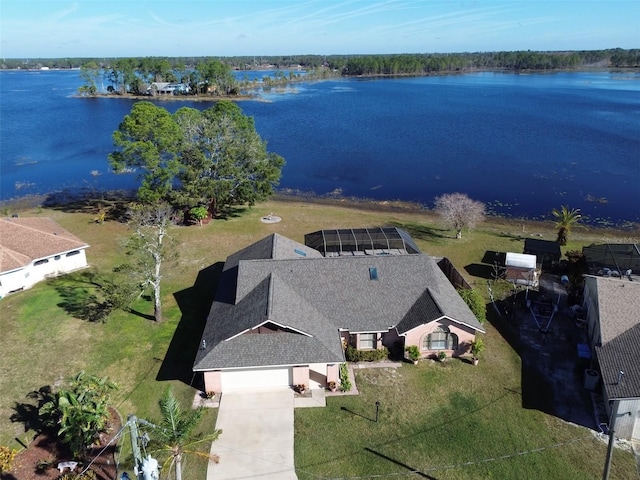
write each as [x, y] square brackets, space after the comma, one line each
[39, 461]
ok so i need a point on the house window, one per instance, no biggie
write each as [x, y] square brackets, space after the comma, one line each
[57, 257]
[41, 262]
[75, 252]
[440, 339]
[367, 341]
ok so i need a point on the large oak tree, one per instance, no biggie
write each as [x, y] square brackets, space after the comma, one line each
[213, 158]
[223, 159]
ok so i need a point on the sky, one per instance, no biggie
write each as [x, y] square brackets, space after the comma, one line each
[132, 28]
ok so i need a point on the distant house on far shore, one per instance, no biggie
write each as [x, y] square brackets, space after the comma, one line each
[166, 88]
[32, 249]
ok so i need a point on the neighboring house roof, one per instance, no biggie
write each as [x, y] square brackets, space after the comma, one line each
[619, 317]
[23, 240]
[311, 298]
[618, 306]
[621, 354]
[538, 246]
[618, 257]
[520, 260]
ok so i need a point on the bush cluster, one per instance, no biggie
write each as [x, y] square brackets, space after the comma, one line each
[475, 302]
[345, 383]
[355, 355]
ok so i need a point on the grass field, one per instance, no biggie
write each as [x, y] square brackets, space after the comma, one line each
[432, 415]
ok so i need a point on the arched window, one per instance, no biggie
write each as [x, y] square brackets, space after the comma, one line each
[440, 339]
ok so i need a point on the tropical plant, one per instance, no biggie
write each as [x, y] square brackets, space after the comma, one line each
[198, 214]
[413, 353]
[80, 412]
[565, 218]
[459, 211]
[176, 433]
[477, 347]
[442, 356]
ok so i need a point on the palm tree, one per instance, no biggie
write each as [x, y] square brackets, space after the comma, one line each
[565, 218]
[175, 432]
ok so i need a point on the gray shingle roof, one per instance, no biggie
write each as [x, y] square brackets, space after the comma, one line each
[273, 247]
[618, 306]
[319, 296]
[619, 316]
[621, 354]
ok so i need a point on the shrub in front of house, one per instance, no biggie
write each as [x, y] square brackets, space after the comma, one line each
[354, 355]
[475, 302]
[343, 373]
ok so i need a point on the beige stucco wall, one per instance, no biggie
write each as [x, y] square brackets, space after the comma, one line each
[301, 375]
[416, 336]
[333, 372]
[213, 381]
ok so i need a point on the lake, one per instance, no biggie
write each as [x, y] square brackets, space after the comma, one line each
[524, 144]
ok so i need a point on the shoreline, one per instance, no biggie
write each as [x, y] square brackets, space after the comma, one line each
[630, 231]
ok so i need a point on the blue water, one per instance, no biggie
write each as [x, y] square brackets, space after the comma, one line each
[522, 143]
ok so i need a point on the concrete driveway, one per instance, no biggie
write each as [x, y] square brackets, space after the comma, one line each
[257, 436]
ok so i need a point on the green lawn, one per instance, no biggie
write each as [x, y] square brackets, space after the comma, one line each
[432, 415]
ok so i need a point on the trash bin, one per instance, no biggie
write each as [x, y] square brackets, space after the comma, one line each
[591, 379]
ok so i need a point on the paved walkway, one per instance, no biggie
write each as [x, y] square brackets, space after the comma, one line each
[257, 436]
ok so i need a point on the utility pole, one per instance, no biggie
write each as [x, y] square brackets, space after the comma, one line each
[144, 469]
[612, 437]
[135, 446]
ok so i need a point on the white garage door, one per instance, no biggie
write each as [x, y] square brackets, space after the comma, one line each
[256, 378]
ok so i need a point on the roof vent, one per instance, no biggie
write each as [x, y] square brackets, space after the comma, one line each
[373, 273]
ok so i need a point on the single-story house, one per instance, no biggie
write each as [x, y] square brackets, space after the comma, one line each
[521, 269]
[167, 88]
[546, 251]
[283, 312]
[32, 249]
[612, 311]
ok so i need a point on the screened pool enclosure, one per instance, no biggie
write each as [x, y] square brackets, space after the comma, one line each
[361, 241]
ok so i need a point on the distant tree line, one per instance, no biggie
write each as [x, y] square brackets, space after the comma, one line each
[348, 64]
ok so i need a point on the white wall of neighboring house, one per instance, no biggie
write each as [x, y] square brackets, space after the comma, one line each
[627, 424]
[13, 280]
[40, 269]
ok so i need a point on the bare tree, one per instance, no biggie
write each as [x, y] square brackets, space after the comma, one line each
[459, 211]
[147, 246]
